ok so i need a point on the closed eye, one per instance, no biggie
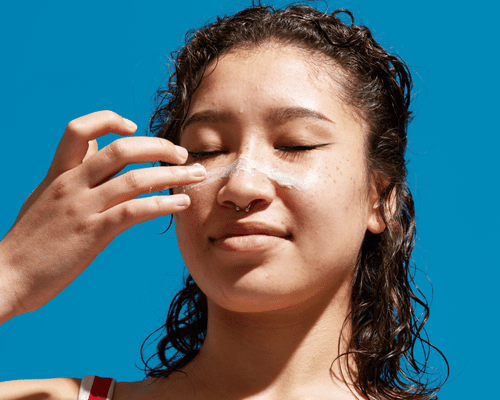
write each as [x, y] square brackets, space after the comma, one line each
[301, 148]
[205, 154]
[287, 150]
[293, 152]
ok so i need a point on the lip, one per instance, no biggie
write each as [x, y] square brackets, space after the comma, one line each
[249, 236]
[250, 228]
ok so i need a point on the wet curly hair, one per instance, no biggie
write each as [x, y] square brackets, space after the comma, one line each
[376, 84]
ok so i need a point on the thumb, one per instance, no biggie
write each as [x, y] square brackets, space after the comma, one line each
[93, 148]
[74, 145]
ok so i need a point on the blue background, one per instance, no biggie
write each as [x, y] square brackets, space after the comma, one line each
[61, 60]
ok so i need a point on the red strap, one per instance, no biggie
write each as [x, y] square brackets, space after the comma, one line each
[100, 388]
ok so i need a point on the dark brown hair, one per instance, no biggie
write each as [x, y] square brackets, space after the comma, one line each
[377, 85]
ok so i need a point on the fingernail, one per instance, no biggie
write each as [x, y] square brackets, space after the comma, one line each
[181, 151]
[197, 170]
[181, 200]
[130, 124]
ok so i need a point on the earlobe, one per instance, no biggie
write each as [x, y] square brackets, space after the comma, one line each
[376, 222]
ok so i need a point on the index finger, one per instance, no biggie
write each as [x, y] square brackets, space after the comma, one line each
[122, 152]
[75, 141]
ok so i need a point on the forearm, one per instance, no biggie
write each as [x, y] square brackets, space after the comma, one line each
[49, 389]
[8, 300]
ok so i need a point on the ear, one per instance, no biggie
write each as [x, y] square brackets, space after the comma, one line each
[375, 223]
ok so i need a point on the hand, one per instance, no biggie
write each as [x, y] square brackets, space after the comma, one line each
[81, 206]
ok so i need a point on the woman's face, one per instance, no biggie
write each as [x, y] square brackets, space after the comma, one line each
[267, 126]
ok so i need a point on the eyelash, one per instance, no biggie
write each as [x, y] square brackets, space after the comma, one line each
[293, 152]
[297, 149]
[204, 154]
[289, 151]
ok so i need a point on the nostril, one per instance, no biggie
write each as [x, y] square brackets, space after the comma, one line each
[245, 187]
[252, 206]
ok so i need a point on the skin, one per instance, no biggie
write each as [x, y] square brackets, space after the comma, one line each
[314, 235]
[279, 292]
[80, 207]
[277, 278]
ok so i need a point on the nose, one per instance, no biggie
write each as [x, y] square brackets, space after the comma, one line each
[246, 187]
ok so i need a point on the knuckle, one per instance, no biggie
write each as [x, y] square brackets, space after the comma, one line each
[60, 188]
[108, 224]
[75, 127]
[165, 145]
[187, 171]
[71, 213]
[132, 179]
[121, 218]
[83, 227]
[158, 203]
[128, 212]
[112, 117]
[108, 114]
[118, 149]
[176, 172]
[167, 174]
[179, 175]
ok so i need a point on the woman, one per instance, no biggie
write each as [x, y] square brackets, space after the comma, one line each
[292, 215]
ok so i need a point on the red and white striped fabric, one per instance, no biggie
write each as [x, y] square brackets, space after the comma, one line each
[96, 388]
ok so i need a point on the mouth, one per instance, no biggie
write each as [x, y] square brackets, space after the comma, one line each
[254, 236]
[251, 229]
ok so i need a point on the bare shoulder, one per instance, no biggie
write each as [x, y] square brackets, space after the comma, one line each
[176, 386]
[36, 389]
[147, 389]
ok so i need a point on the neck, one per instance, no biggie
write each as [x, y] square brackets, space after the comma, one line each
[277, 354]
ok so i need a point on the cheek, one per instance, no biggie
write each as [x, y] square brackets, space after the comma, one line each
[191, 224]
[188, 226]
[335, 209]
[190, 220]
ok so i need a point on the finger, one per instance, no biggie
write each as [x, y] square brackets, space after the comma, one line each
[92, 149]
[74, 143]
[125, 215]
[118, 154]
[147, 180]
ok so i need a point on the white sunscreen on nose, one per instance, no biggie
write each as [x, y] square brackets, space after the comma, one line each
[247, 164]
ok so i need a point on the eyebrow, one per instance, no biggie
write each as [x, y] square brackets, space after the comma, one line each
[277, 116]
[282, 115]
[208, 116]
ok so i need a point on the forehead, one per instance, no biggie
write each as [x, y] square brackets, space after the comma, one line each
[270, 71]
[246, 86]
[293, 60]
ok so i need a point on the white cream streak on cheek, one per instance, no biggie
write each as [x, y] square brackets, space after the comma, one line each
[245, 163]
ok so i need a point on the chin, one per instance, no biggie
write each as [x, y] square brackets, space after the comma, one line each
[253, 305]
[259, 296]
